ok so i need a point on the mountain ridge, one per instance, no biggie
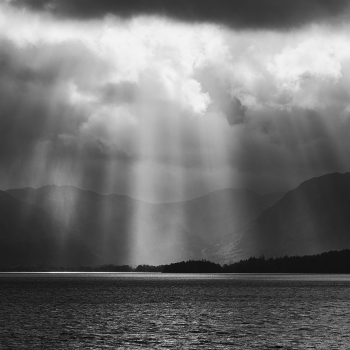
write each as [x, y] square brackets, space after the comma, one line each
[29, 235]
[311, 219]
[223, 226]
[124, 230]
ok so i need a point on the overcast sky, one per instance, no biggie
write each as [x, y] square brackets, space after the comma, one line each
[165, 100]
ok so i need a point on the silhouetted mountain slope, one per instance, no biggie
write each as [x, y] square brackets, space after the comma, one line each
[225, 225]
[100, 222]
[219, 213]
[31, 237]
[122, 230]
[313, 218]
[117, 228]
[271, 198]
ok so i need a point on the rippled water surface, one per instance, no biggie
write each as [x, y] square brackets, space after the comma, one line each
[160, 311]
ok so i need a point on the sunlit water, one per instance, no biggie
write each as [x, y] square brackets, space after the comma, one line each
[157, 311]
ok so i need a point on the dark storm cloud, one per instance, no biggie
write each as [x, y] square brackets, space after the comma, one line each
[235, 13]
[235, 112]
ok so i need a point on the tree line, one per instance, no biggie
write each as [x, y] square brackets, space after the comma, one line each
[330, 262]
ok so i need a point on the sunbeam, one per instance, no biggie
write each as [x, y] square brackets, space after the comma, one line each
[174, 173]
[164, 110]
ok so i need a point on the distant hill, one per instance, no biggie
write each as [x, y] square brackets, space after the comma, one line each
[103, 223]
[31, 237]
[220, 213]
[121, 230]
[223, 226]
[313, 218]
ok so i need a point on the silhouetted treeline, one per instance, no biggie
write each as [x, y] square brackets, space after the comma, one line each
[193, 266]
[330, 262]
[149, 268]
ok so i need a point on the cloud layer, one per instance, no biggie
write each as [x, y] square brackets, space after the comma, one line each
[268, 14]
[163, 109]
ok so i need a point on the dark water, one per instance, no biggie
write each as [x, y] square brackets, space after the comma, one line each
[157, 311]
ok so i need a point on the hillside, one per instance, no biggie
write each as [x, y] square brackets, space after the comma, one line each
[122, 230]
[31, 237]
[222, 226]
[219, 213]
[313, 218]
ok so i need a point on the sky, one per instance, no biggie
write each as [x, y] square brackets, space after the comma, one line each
[169, 100]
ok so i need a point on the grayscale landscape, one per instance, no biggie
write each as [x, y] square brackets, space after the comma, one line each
[174, 174]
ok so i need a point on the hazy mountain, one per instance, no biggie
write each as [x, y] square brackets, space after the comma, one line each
[313, 218]
[31, 237]
[61, 224]
[219, 213]
[101, 222]
[119, 229]
[122, 230]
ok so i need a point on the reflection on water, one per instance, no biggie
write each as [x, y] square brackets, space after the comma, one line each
[157, 311]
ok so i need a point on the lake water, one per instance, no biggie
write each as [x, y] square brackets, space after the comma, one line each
[160, 311]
